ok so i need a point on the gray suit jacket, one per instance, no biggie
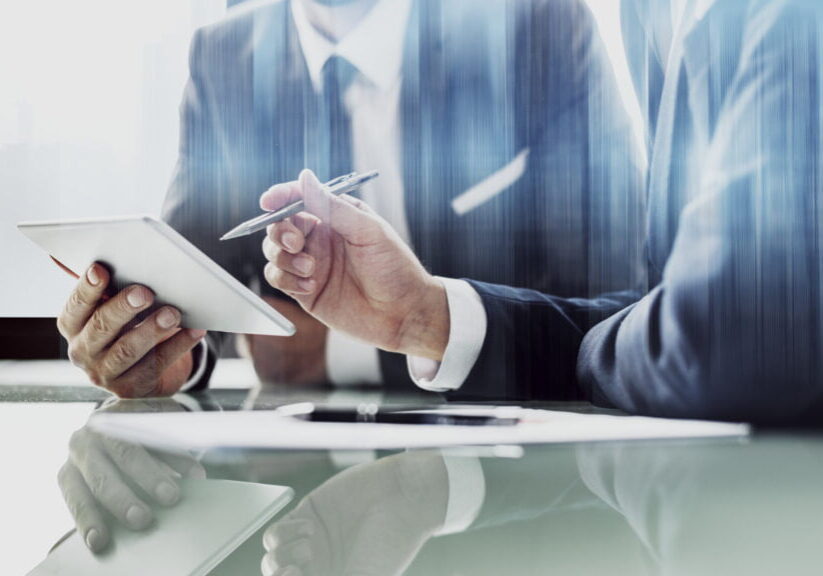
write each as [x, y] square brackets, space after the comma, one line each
[732, 326]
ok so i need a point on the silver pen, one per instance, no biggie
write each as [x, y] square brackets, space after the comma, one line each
[337, 186]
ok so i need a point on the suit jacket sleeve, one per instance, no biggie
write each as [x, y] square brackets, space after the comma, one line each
[733, 330]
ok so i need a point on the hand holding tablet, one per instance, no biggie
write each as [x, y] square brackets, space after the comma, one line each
[167, 293]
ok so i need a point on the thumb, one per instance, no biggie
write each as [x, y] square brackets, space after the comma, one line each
[342, 215]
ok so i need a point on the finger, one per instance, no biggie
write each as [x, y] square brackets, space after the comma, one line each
[154, 477]
[288, 282]
[110, 318]
[280, 195]
[301, 264]
[343, 216]
[292, 553]
[83, 508]
[286, 235]
[106, 483]
[145, 378]
[305, 222]
[83, 300]
[285, 531]
[268, 567]
[139, 341]
[185, 465]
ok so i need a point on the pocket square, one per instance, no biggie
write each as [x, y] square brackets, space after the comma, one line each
[484, 191]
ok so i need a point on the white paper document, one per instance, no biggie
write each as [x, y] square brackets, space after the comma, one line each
[260, 429]
[190, 539]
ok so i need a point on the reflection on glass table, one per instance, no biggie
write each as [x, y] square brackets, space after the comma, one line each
[683, 507]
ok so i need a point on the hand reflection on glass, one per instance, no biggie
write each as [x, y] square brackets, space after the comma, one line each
[370, 519]
[103, 475]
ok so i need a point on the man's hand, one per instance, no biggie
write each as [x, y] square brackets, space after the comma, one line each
[124, 479]
[368, 520]
[151, 358]
[349, 269]
[300, 359]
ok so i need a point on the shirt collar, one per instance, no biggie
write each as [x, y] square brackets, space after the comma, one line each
[375, 46]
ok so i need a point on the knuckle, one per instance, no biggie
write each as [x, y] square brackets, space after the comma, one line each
[82, 511]
[283, 259]
[99, 323]
[269, 272]
[61, 325]
[63, 474]
[77, 300]
[77, 441]
[270, 249]
[73, 354]
[97, 378]
[120, 451]
[78, 354]
[122, 354]
[96, 481]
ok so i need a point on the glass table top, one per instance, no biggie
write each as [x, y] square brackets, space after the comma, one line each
[734, 506]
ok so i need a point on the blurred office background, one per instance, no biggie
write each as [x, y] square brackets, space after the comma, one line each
[88, 127]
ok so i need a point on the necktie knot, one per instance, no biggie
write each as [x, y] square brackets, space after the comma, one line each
[338, 74]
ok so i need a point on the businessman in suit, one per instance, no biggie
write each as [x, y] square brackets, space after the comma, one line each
[730, 328]
[504, 153]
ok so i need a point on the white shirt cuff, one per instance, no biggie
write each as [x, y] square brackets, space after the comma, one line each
[351, 362]
[467, 332]
[467, 491]
[201, 350]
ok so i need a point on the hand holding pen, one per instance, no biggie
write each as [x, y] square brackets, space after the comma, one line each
[348, 268]
[337, 186]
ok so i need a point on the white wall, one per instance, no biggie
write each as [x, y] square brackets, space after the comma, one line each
[89, 91]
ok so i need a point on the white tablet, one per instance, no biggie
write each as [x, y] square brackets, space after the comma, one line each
[144, 250]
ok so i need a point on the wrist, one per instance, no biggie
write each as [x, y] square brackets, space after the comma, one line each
[425, 330]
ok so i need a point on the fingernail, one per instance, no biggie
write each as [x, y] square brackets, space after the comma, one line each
[196, 333]
[93, 277]
[290, 240]
[167, 493]
[138, 517]
[95, 540]
[306, 285]
[136, 298]
[166, 318]
[304, 263]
